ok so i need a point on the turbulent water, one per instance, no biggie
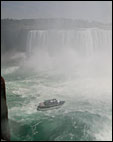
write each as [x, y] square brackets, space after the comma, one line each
[84, 82]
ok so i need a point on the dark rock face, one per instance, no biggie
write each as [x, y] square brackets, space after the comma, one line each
[5, 133]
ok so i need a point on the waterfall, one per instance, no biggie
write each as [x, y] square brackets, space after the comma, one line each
[84, 41]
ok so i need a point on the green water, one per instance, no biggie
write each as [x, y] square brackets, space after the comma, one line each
[86, 115]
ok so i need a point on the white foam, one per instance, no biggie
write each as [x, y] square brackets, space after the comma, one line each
[9, 70]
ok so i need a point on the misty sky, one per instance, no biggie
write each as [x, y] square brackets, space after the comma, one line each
[88, 10]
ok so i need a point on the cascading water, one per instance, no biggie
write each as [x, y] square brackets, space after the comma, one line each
[54, 69]
[86, 41]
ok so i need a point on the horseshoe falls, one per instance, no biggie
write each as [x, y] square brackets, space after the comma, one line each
[70, 65]
[86, 41]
